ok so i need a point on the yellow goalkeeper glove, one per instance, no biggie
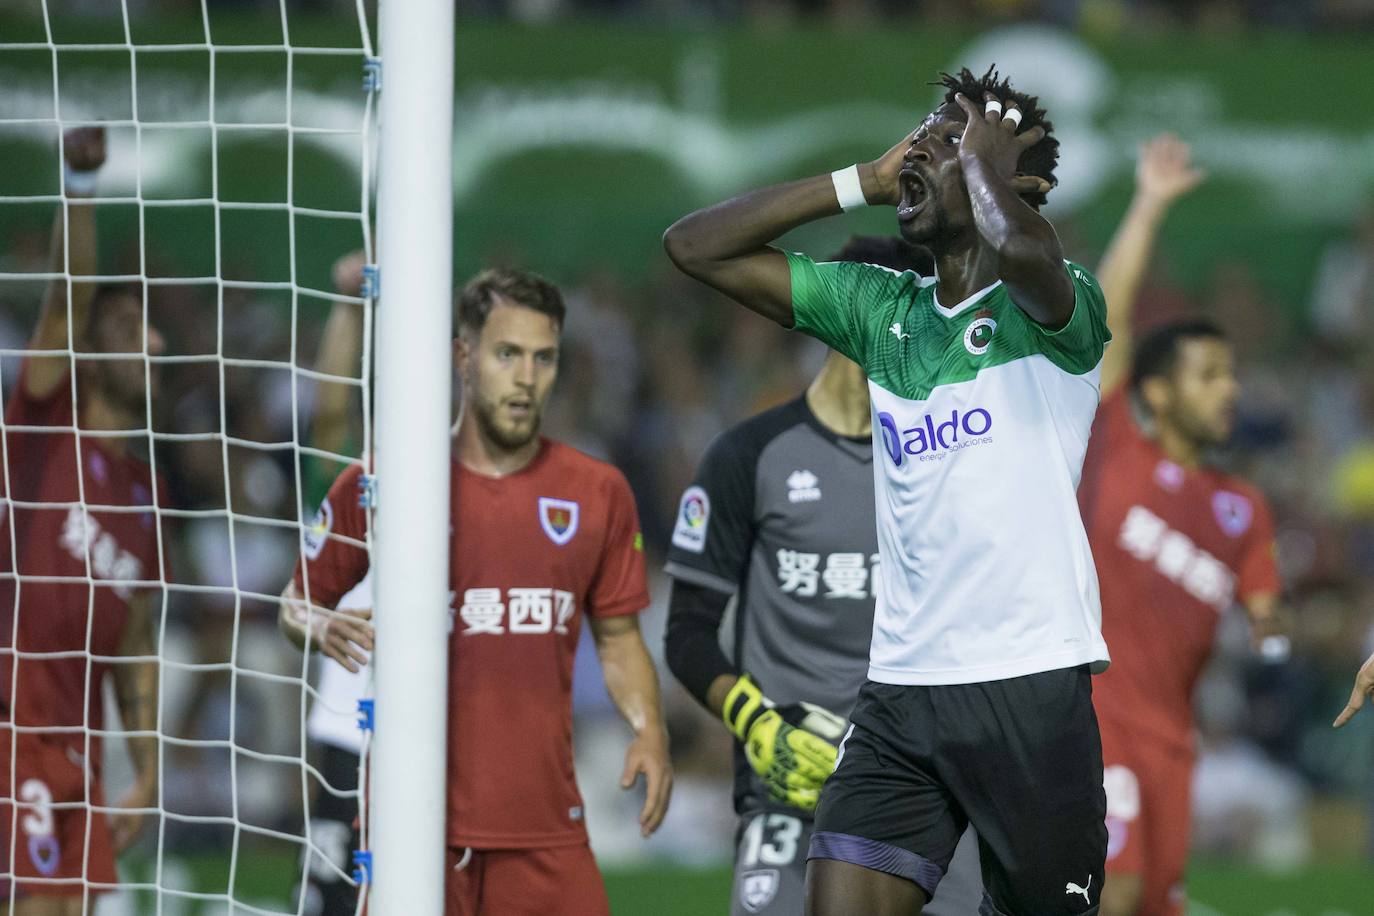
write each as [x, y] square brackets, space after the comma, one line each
[792, 748]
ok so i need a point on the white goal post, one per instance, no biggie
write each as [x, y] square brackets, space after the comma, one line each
[411, 533]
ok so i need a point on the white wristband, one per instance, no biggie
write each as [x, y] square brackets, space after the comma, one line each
[848, 188]
[83, 183]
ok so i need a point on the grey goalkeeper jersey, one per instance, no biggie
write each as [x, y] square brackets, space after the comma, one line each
[781, 516]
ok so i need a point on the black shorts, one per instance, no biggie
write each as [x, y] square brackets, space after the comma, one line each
[334, 834]
[1019, 758]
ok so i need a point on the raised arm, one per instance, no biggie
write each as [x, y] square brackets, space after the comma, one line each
[1030, 260]
[73, 253]
[1163, 174]
[340, 348]
[633, 685]
[728, 246]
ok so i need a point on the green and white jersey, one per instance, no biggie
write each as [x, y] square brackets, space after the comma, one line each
[980, 422]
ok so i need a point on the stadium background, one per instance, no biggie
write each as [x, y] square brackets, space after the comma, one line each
[582, 130]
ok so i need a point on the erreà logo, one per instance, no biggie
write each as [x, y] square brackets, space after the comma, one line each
[978, 334]
[961, 430]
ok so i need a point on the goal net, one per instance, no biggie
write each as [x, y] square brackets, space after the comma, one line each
[186, 287]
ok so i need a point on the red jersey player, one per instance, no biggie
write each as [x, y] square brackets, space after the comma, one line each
[77, 591]
[1176, 544]
[543, 538]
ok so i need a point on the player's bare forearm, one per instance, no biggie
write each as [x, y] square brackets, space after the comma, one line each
[1030, 259]
[633, 686]
[628, 671]
[291, 617]
[136, 693]
[73, 253]
[1120, 273]
[344, 636]
[727, 246]
[1164, 173]
[340, 347]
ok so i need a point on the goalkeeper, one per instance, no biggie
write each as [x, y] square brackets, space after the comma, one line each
[781, 515]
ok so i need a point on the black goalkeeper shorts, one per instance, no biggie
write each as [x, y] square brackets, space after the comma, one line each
[1019, 758]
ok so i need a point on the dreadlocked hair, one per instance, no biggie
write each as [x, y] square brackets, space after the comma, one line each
[1038, 160]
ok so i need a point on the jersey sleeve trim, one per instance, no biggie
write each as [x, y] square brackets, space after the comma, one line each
[700, 577]
[1078, 346]
[631, 605]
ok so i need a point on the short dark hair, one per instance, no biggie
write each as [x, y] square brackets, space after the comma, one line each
[518, 287]
[887, 251]
[105, 293]
[1157, 353]
[1039, 159]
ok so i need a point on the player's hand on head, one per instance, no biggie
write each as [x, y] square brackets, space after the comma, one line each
[1363, 690]
[83, 148]
[1165, 170]
[887, 170]
[993, 134]
[648, 754]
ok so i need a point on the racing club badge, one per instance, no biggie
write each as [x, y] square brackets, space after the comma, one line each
[558, 518]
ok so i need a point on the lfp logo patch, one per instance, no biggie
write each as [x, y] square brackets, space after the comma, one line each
[693, 515]
[558, 518]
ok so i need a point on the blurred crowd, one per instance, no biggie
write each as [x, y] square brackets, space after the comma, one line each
[1106, 15]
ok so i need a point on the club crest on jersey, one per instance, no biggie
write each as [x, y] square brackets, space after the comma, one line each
[978, 334]
[558, 518]
[758, 888]
[1233, 512]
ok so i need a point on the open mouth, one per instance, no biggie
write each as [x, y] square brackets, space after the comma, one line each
[520, 408]
[914, 194]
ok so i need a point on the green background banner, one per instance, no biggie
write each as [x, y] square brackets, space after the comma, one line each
[577, 145]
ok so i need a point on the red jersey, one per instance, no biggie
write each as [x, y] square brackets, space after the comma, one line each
[1174, 548]
[531, 553]
[87, 564]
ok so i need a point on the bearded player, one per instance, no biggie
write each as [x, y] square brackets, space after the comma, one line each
[780, 518]
[76, 595]
[543, 538]
[1177, 543]
[983, 382]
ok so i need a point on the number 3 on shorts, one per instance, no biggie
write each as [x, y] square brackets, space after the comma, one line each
[771, 839]
[35, 795]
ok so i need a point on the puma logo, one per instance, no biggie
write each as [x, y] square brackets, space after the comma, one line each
[1072, 888]
[896, 330]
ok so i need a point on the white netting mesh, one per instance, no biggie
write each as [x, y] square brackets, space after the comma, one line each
[237, 170]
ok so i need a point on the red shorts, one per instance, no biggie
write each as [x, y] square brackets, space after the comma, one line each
[524, 882]
[54, 821]
[1149, 793]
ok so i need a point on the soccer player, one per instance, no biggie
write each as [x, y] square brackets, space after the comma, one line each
[780, 517]
[335, 422]
[983, 383]
[1177, 543]
[543, 538]
[77, 592]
